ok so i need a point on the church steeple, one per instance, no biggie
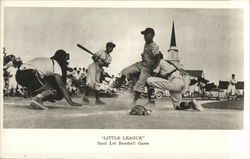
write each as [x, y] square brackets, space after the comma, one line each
[173, 41]
[173, 51]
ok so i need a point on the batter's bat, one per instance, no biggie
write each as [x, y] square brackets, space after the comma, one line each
[85, 49]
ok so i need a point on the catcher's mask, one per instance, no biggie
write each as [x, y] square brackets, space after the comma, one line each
[140, 110]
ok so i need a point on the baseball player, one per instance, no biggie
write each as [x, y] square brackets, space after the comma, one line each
[12, 80]
[45, 78]
[101, 59]
[169, 77]
[150, 59]
[231, 87]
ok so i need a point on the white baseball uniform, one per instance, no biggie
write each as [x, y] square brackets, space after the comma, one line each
[95, 70]
[231, 88]
[12, 79]
[175, 84]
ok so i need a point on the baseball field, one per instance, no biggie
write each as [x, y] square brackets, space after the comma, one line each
[114, 115]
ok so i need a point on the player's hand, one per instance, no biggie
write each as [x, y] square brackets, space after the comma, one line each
[106, 65]
[76, 104]
[95, 59]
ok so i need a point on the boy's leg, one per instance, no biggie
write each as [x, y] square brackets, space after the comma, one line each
[134, 68]
[176, 98]
[140, 84]
[175, 87]
[151, 90]
[233, 90]
[85, 96]
[136, 97]
[37, 101]
[98, 100]
[90, 82]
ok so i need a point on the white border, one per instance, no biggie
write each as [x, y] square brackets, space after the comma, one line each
[30, 143]
[128, 4]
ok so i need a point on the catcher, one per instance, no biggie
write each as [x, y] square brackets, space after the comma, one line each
[169, 77]
[95, 70]
[45, 78]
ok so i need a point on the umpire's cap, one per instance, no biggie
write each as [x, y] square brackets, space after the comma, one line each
[148, 30]
[110, 44]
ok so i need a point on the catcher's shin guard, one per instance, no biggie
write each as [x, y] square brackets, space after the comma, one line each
[151, 97]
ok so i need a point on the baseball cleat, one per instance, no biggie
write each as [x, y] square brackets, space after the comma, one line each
[37, 105]
[99, 102]
[197, 106]
[86, 101]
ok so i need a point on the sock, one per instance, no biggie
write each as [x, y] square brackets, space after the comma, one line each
[137, 96]
[97, 95]
[121, 80]
[86, 92]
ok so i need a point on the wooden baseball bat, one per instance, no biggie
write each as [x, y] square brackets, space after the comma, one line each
[82, 47]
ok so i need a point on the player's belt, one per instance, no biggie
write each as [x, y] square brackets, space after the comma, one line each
[170, 73]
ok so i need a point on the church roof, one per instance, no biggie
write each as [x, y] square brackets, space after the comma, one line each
[195, 73]
[225, 84]
[173, 40]
[240, 85]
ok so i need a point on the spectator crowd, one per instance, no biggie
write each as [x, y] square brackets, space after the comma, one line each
[76, 79]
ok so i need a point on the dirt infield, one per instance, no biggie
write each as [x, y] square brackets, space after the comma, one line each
[114, 115]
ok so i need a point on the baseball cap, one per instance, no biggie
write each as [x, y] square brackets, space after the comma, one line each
[148, 30]
[110, 44]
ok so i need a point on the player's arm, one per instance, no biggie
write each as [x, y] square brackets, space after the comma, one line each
[156, 71]
[157, 59]
[234, 82]
[95, 58]
[157, 55]
[64, 90]
[107, 62]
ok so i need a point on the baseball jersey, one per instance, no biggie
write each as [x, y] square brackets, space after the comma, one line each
[232, 81]
[103, 55]
[150, 50]
[43, 65]
[8, 65]
[12, 71]
[164, 67]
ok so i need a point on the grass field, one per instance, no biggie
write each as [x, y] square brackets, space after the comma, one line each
[114, 115]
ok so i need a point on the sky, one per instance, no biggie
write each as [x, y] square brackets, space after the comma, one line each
[207, 39]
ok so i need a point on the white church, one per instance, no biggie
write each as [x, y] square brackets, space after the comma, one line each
[172, 56]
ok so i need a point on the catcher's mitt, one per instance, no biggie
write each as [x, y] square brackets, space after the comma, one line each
[140, 110]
